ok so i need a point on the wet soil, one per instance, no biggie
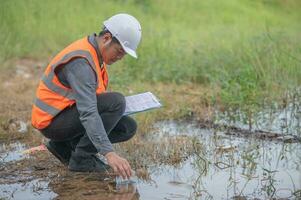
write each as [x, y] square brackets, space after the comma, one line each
[177, 160]
[199, 158]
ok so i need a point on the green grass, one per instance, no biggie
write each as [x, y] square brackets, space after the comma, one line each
[248, 51]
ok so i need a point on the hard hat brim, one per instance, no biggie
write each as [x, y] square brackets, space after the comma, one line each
[129, 51]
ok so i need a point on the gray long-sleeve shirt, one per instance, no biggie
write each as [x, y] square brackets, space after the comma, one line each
[79, 76]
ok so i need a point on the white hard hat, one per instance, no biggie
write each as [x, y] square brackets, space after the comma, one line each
[127, 30]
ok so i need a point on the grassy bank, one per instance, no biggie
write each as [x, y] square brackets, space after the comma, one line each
[246, 52]
[18, 93]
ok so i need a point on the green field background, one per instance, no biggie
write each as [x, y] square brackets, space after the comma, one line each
[247, 51]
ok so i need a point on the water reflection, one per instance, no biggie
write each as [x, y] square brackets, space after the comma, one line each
[284, 118]
[224, 166]
[178, 160]
[11, 152]
[92, 186]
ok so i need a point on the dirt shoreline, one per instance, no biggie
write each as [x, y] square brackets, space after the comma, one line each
[18, 94]
[186, 103]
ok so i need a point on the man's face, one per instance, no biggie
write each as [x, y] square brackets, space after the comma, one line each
[112, 52]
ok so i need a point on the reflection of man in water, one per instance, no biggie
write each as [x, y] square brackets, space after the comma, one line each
[72, 107]
[93, 188]
[127, 192]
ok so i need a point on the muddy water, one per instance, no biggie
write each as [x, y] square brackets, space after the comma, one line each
[227, 166]
[11, 152]
[36, 189]
[218, 166]
[283, 119]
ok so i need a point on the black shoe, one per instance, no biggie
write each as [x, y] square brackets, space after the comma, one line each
[86, 163]
[61, 150]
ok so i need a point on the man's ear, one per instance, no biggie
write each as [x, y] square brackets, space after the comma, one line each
[107, 39]
[108, 42]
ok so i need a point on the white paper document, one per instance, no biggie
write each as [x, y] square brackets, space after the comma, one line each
[141, 102]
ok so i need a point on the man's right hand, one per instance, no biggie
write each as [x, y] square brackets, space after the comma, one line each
[120, 165]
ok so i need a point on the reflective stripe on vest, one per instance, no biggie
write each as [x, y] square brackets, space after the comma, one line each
[52, 97]
[45, 107]
[47, 79]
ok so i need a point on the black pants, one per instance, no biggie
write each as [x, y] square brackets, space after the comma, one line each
[66, 126]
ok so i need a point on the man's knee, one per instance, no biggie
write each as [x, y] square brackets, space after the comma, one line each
[120, 101]
[125, 130]
[132, 128]
[116, 101]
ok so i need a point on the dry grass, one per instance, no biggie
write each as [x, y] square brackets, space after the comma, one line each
[18, 85]
[19, 79]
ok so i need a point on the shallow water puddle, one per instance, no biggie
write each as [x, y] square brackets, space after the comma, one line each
[219, 166]
[12, 152]
[227, 166]
[285, 119]
[32, 190]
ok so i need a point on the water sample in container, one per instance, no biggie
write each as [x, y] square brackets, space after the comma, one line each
[132, 180]
[126, 185]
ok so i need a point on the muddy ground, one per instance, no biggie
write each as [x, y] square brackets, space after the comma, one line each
[19, 79]
[189, 159]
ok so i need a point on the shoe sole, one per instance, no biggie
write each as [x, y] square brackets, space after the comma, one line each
[53, 152]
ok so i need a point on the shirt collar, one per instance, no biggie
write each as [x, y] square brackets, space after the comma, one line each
[93, 42]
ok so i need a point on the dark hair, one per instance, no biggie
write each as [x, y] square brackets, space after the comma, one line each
[104, 31]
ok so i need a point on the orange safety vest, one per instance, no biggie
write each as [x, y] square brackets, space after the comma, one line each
[52, 96]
